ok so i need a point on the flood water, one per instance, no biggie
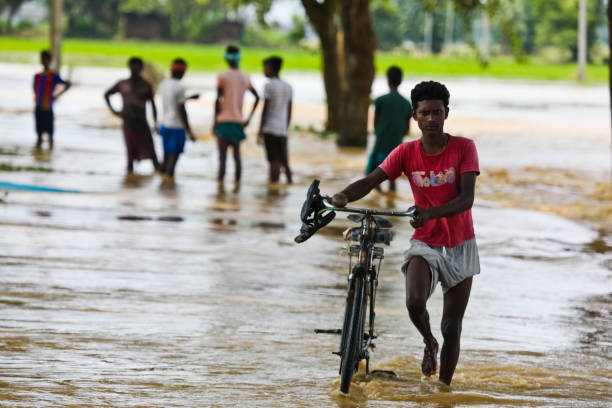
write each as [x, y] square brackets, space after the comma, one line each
[130, 293]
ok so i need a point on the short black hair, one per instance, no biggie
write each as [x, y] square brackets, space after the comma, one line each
[45, 54]
[136, 60]
[179, 61]
[275, 63]
[429, 90]
[232, 49]
[394, 75]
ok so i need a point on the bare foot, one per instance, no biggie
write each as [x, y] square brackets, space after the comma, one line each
[429, 366]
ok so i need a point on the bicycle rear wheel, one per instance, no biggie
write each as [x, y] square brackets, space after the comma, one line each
[350, 356]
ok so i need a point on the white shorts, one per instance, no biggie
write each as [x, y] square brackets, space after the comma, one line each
[449, 266]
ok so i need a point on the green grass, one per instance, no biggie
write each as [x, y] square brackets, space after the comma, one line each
[10, 167]
[208, 58]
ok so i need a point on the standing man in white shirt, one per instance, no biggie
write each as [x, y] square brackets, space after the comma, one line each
[175, 124]
[275, 119]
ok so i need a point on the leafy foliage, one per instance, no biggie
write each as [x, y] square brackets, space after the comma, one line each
[557, 26]
[10, 7]
[91, 19]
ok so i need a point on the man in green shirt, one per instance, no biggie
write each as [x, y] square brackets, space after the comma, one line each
[392, 114]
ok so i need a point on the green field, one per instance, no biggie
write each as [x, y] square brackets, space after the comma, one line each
[208, 58]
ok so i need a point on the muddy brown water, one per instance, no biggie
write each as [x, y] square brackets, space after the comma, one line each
[134, 294]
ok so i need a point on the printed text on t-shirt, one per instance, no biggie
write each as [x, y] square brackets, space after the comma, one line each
[420, 178]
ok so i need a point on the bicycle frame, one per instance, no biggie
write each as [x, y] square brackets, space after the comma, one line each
[365, 269]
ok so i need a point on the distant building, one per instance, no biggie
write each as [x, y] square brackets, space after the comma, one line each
[228, 31]
[150, 26]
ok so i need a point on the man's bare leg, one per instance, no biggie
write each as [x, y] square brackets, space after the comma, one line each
[172, 165]
[418, 284]
[39, 140]
[155, 162]
[285, 163]
[222, 145]
[274, 171]
[455, 303]
[238, 171]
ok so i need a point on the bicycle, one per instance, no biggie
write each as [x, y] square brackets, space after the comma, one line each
[355, 342]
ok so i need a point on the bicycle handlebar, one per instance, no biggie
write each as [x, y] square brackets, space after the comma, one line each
[315, 207]
[367, 211]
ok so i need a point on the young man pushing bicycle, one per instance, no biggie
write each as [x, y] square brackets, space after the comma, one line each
[442, 171]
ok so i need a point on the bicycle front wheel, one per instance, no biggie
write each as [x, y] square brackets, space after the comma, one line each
[350, 357]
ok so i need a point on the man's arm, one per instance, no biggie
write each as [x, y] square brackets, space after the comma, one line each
[264, 113]
[289, 111]
[457, 205]
[65, 86]
[359, 188]
[217, 106]
[254, 92]
[183, 113]
[376, 112]
[107, 94]
[154, 108]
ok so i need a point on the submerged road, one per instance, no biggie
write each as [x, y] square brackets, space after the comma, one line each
[134, 294]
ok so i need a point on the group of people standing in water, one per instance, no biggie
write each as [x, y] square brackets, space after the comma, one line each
[174, 127]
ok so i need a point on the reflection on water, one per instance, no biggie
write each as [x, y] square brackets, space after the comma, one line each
[131, 180]
[131, 294]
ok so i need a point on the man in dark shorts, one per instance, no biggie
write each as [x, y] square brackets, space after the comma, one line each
[442, 171]
[229, 124]
[44, 86]
[136, 92]
[275, 119]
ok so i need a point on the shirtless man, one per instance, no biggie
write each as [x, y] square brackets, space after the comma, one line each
[136, 92]
[229, 124]
[442, 171]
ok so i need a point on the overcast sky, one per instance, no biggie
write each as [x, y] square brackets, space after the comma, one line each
[282, 11]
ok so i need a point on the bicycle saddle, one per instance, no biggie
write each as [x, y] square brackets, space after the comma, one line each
[309, 215]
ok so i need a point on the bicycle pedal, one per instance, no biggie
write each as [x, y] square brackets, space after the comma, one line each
[337, 353]
[366, 336]
[328, 331]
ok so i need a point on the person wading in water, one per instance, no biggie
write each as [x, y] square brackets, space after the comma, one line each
[442, 171]
[229, 124]
[136, 92]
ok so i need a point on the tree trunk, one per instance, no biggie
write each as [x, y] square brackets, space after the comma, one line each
[610, 57]
[55, 32]
[582, 39]
[428, 33]
[449, 25]
[486, 37]
[321, 16]
[359, 47]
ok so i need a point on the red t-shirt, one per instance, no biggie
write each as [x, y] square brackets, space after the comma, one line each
[434, 179]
